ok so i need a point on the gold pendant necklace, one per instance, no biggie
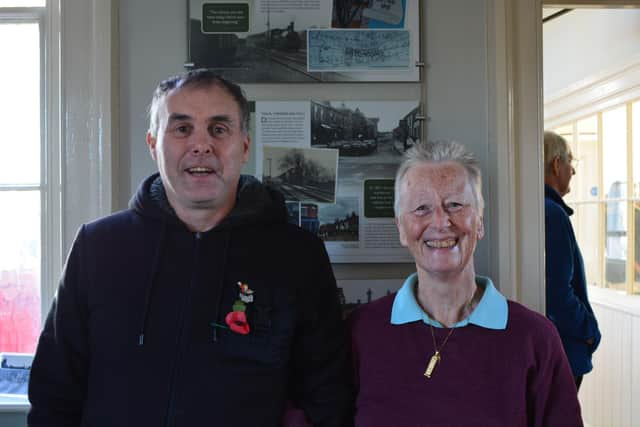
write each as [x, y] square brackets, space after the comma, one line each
[436, 356]
[435, 359]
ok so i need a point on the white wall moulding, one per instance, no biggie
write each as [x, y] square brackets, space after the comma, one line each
[86, 64]
[596, 93]
[516, 123]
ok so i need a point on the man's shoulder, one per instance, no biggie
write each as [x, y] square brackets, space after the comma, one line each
[555, 216]
[553, 207]
[120, 218]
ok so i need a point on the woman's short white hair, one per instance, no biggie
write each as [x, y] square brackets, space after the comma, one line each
[440, 152]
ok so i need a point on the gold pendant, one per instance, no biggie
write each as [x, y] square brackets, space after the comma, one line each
[432, 364]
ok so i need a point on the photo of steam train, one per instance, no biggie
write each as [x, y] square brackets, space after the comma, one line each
[268, 44]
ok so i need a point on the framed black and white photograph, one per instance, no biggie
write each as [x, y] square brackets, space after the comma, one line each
[338, 222]
[266, 41]
[307, 175]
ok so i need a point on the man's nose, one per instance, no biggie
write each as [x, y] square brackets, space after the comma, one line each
[201, 143]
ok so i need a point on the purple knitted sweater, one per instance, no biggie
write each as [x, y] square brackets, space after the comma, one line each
[513, 377]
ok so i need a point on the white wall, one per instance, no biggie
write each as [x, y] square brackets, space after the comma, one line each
[153, 46]
[586, 42]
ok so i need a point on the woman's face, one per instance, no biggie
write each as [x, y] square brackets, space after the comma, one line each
[439, 220]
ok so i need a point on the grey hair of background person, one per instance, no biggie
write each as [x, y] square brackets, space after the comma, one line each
[434, 152]
[554, 146]
[199, 78]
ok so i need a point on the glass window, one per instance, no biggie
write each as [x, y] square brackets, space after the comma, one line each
[614, 152]
[585, 185]
[19, 270]
[586, 219]
[20, 105]
[635, 144]
[20, 185]
[605, 194]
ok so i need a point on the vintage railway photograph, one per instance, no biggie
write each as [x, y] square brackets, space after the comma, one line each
[274, 49]
[306, 175]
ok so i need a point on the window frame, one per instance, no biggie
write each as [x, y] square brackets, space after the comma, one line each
[78, 88]
[48, 187]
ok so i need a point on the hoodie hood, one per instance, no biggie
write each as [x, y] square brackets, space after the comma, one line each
[256, 203]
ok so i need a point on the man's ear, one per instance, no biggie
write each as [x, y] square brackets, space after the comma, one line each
[151, 143]
[246, 146]
[555, 164]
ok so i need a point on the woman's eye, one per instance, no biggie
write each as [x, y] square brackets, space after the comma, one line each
[454, 206]
[421, 210]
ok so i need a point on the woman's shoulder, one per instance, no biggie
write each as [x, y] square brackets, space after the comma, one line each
[528, 322]
[373, 313]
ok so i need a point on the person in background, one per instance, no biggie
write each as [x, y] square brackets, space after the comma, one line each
[566, 287]
[199, 305]
[448, 349]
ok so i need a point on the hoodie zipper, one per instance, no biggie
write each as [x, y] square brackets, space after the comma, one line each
[171, 409]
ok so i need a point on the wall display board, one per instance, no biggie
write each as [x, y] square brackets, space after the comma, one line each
[335, 162]
[281, 41]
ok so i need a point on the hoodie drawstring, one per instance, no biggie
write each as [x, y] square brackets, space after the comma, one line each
[225, 256]
[152, 279]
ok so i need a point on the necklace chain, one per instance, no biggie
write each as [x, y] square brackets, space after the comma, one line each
[436, 355]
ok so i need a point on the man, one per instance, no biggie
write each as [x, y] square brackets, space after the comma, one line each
[448, 349]
[199, 305]
[567, 303]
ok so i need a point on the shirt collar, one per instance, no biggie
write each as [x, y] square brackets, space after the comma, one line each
[491, 312]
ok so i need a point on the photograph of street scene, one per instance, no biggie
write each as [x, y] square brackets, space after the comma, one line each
[371, 136]
[301, 174]
[339, 221]
[257, 41]
[274, 49]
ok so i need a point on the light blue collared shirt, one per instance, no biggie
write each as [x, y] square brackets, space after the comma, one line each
[491, 312]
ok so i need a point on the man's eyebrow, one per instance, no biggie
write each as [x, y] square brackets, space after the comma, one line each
[223, 118]
[176, 117]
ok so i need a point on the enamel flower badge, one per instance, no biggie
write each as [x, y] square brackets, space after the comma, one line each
[237, 318]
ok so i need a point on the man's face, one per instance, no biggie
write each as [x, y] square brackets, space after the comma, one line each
[200, 148]
[565, 173]
[439, 221]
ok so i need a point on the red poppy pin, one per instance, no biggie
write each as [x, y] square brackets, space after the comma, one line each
[237, 318]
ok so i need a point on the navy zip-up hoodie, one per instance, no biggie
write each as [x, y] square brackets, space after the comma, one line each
[136, 335]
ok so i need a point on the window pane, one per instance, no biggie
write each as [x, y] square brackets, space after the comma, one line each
[635, 114]
[616, 245]
[586, 220]
[20, 104]
[636, 245]
[614, 151]
[19, 270]
[585, 182]
[22, 3]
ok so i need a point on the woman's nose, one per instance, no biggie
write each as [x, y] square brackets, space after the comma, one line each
[440, 217]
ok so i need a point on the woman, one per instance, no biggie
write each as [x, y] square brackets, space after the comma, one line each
[448, 349]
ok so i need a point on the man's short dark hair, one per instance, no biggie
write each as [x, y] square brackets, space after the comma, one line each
[199, 78]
